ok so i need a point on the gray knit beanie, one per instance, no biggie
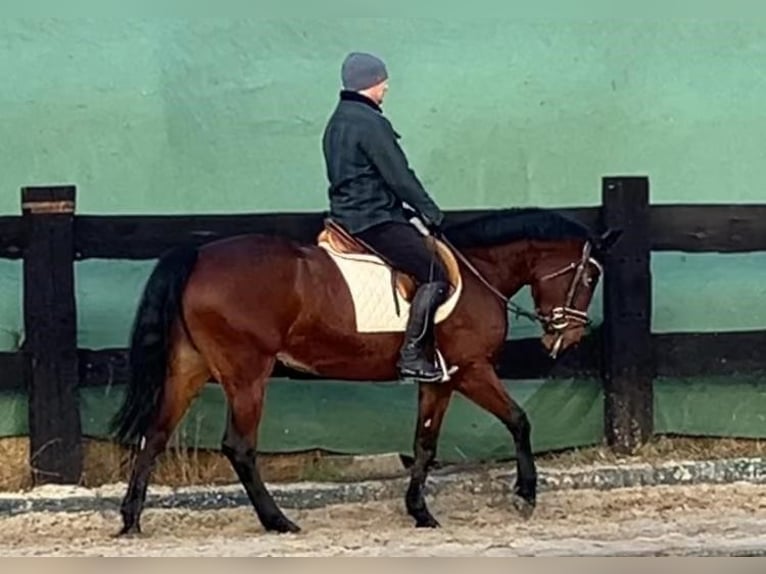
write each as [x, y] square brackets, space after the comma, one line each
[361, 71]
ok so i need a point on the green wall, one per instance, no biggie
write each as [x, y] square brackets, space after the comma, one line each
[226, 115]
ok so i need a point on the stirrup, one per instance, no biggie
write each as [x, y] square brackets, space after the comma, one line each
[446, 372]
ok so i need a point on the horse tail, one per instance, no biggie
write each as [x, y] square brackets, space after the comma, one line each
[149, 350]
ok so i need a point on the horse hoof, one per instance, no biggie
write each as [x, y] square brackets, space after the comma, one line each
[132, 531]
[283, 525]
[428, 522]
[524, 507]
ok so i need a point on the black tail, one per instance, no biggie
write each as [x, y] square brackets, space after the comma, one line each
[150, 343]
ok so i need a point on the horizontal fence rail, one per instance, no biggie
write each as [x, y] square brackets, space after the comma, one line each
[147, 237]
[707, 228]
[673, 355]
[49, 237]
[12, 237]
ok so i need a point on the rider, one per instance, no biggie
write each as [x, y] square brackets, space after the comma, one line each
[371, 190]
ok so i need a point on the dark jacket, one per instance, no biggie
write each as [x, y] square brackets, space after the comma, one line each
[368, 172]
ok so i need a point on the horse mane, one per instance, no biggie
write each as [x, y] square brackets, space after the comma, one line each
[516, 224]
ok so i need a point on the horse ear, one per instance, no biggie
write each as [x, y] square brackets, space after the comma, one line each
[607, 239]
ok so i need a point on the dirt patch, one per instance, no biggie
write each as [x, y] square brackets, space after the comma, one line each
[674, 520]
[105, 463]
[108, 463]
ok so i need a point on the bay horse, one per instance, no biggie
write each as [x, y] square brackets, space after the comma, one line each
[231, 308]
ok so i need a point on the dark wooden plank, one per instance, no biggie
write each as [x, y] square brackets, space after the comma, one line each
[48, 199]
[13, 371]
[675, 355]
[148, 236]
[708, 228]
[50, 324]
[701, 354]
[527, 359]
[627, 338]
[519, 359]
[11, 237]
[109, 367]
[690, 228]
[103, 367]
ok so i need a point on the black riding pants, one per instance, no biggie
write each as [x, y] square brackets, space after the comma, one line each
[405, 249]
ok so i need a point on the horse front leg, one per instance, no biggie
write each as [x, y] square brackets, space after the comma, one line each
[481, 385]
[433, 400]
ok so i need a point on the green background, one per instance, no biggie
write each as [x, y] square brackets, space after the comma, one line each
[225, 115]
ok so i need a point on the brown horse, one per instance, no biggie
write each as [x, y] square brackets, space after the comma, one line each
[231, 309]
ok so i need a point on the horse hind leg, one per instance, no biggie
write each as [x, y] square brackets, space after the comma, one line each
[245, 393]
[187, 375]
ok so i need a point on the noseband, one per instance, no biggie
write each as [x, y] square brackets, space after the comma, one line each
[560, 317]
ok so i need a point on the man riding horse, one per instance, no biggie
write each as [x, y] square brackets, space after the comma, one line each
[371, 190]
[204, 314]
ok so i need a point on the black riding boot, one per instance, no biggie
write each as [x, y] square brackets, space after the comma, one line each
[413, 361]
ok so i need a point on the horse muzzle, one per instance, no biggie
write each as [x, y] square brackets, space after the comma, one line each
[564, 328]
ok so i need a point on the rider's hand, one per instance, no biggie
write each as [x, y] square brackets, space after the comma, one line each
[434, 229]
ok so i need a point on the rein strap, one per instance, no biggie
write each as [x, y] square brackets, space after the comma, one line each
[518, 310]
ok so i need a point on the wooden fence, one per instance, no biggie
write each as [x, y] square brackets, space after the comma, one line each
[49, 237]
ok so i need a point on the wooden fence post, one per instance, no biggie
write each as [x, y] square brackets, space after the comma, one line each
[50, 325]
[627, 365]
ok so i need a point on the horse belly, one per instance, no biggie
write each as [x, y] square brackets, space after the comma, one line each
[342, 357]
[324, 339]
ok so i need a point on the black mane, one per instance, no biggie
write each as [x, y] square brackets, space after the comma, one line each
[507, 225]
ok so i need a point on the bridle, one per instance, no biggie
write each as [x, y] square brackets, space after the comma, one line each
[561, 317]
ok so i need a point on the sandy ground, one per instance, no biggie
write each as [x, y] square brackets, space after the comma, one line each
[707, 519]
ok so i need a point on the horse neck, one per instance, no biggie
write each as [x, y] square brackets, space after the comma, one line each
[505, 267]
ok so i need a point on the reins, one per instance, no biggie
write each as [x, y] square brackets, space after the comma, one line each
[518, 310]
[560, 316]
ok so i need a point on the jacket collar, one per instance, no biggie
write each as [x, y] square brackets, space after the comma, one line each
[349, 96]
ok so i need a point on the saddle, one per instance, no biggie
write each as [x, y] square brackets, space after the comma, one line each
[338, 240]
[366, 273]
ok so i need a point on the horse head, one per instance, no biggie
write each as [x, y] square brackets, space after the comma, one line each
[559, 259]
[563, 279]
